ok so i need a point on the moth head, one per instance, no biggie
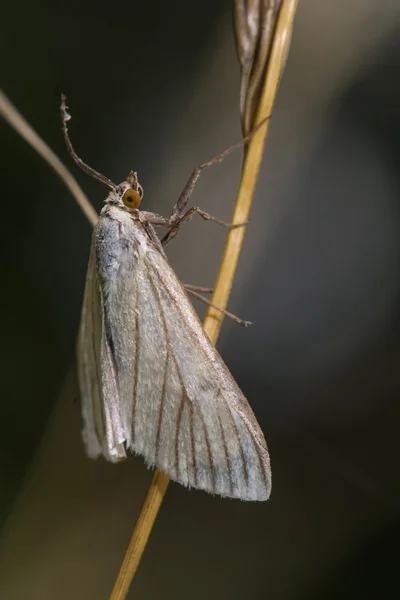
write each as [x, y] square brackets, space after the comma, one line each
[130, 192]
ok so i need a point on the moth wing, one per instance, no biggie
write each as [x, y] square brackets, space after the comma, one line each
[102, 430]
[189, 418]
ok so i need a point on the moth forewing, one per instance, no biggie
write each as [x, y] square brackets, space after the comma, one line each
[102, 430]
[219, 446]
[150, 379]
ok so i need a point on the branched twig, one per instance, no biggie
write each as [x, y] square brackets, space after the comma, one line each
[213, 320]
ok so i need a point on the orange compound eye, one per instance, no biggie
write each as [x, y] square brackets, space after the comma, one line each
[131, 198]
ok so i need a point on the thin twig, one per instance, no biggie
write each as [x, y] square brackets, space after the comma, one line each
[213, 320]
[17, 121]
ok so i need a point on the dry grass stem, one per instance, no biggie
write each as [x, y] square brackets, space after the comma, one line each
[213, 320]
[263, 37]
[140, 535]
[17, 121]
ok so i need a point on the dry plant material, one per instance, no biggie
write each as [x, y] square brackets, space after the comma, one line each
[17, 121]
[255, 22]
[263, 31]
[212, 324]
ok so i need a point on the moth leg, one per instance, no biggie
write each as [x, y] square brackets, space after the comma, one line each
[198, 288]
[184, 198]
[224, 312]
[178, 213]
[155, 219]
[187, 216]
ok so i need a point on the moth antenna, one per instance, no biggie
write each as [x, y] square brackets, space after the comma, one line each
[65, 117]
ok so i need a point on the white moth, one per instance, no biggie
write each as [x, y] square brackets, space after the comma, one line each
[150, 380]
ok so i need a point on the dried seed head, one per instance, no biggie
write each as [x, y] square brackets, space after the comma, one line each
[255, 22]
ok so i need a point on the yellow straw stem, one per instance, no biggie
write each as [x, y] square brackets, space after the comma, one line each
[223, 286]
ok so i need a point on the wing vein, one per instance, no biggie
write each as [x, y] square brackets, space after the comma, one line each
[194, 460]
[260, 460]
[245, 470]
[136, 365]
[178, 430]
[225, 446]
[161, 408]
[208, 445]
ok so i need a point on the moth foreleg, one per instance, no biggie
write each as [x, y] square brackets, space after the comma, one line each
[187, 216]
[184, 198]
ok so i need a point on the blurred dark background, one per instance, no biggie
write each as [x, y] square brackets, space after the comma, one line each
[154, 87]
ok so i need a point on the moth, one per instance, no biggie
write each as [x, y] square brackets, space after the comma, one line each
[150, 380]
